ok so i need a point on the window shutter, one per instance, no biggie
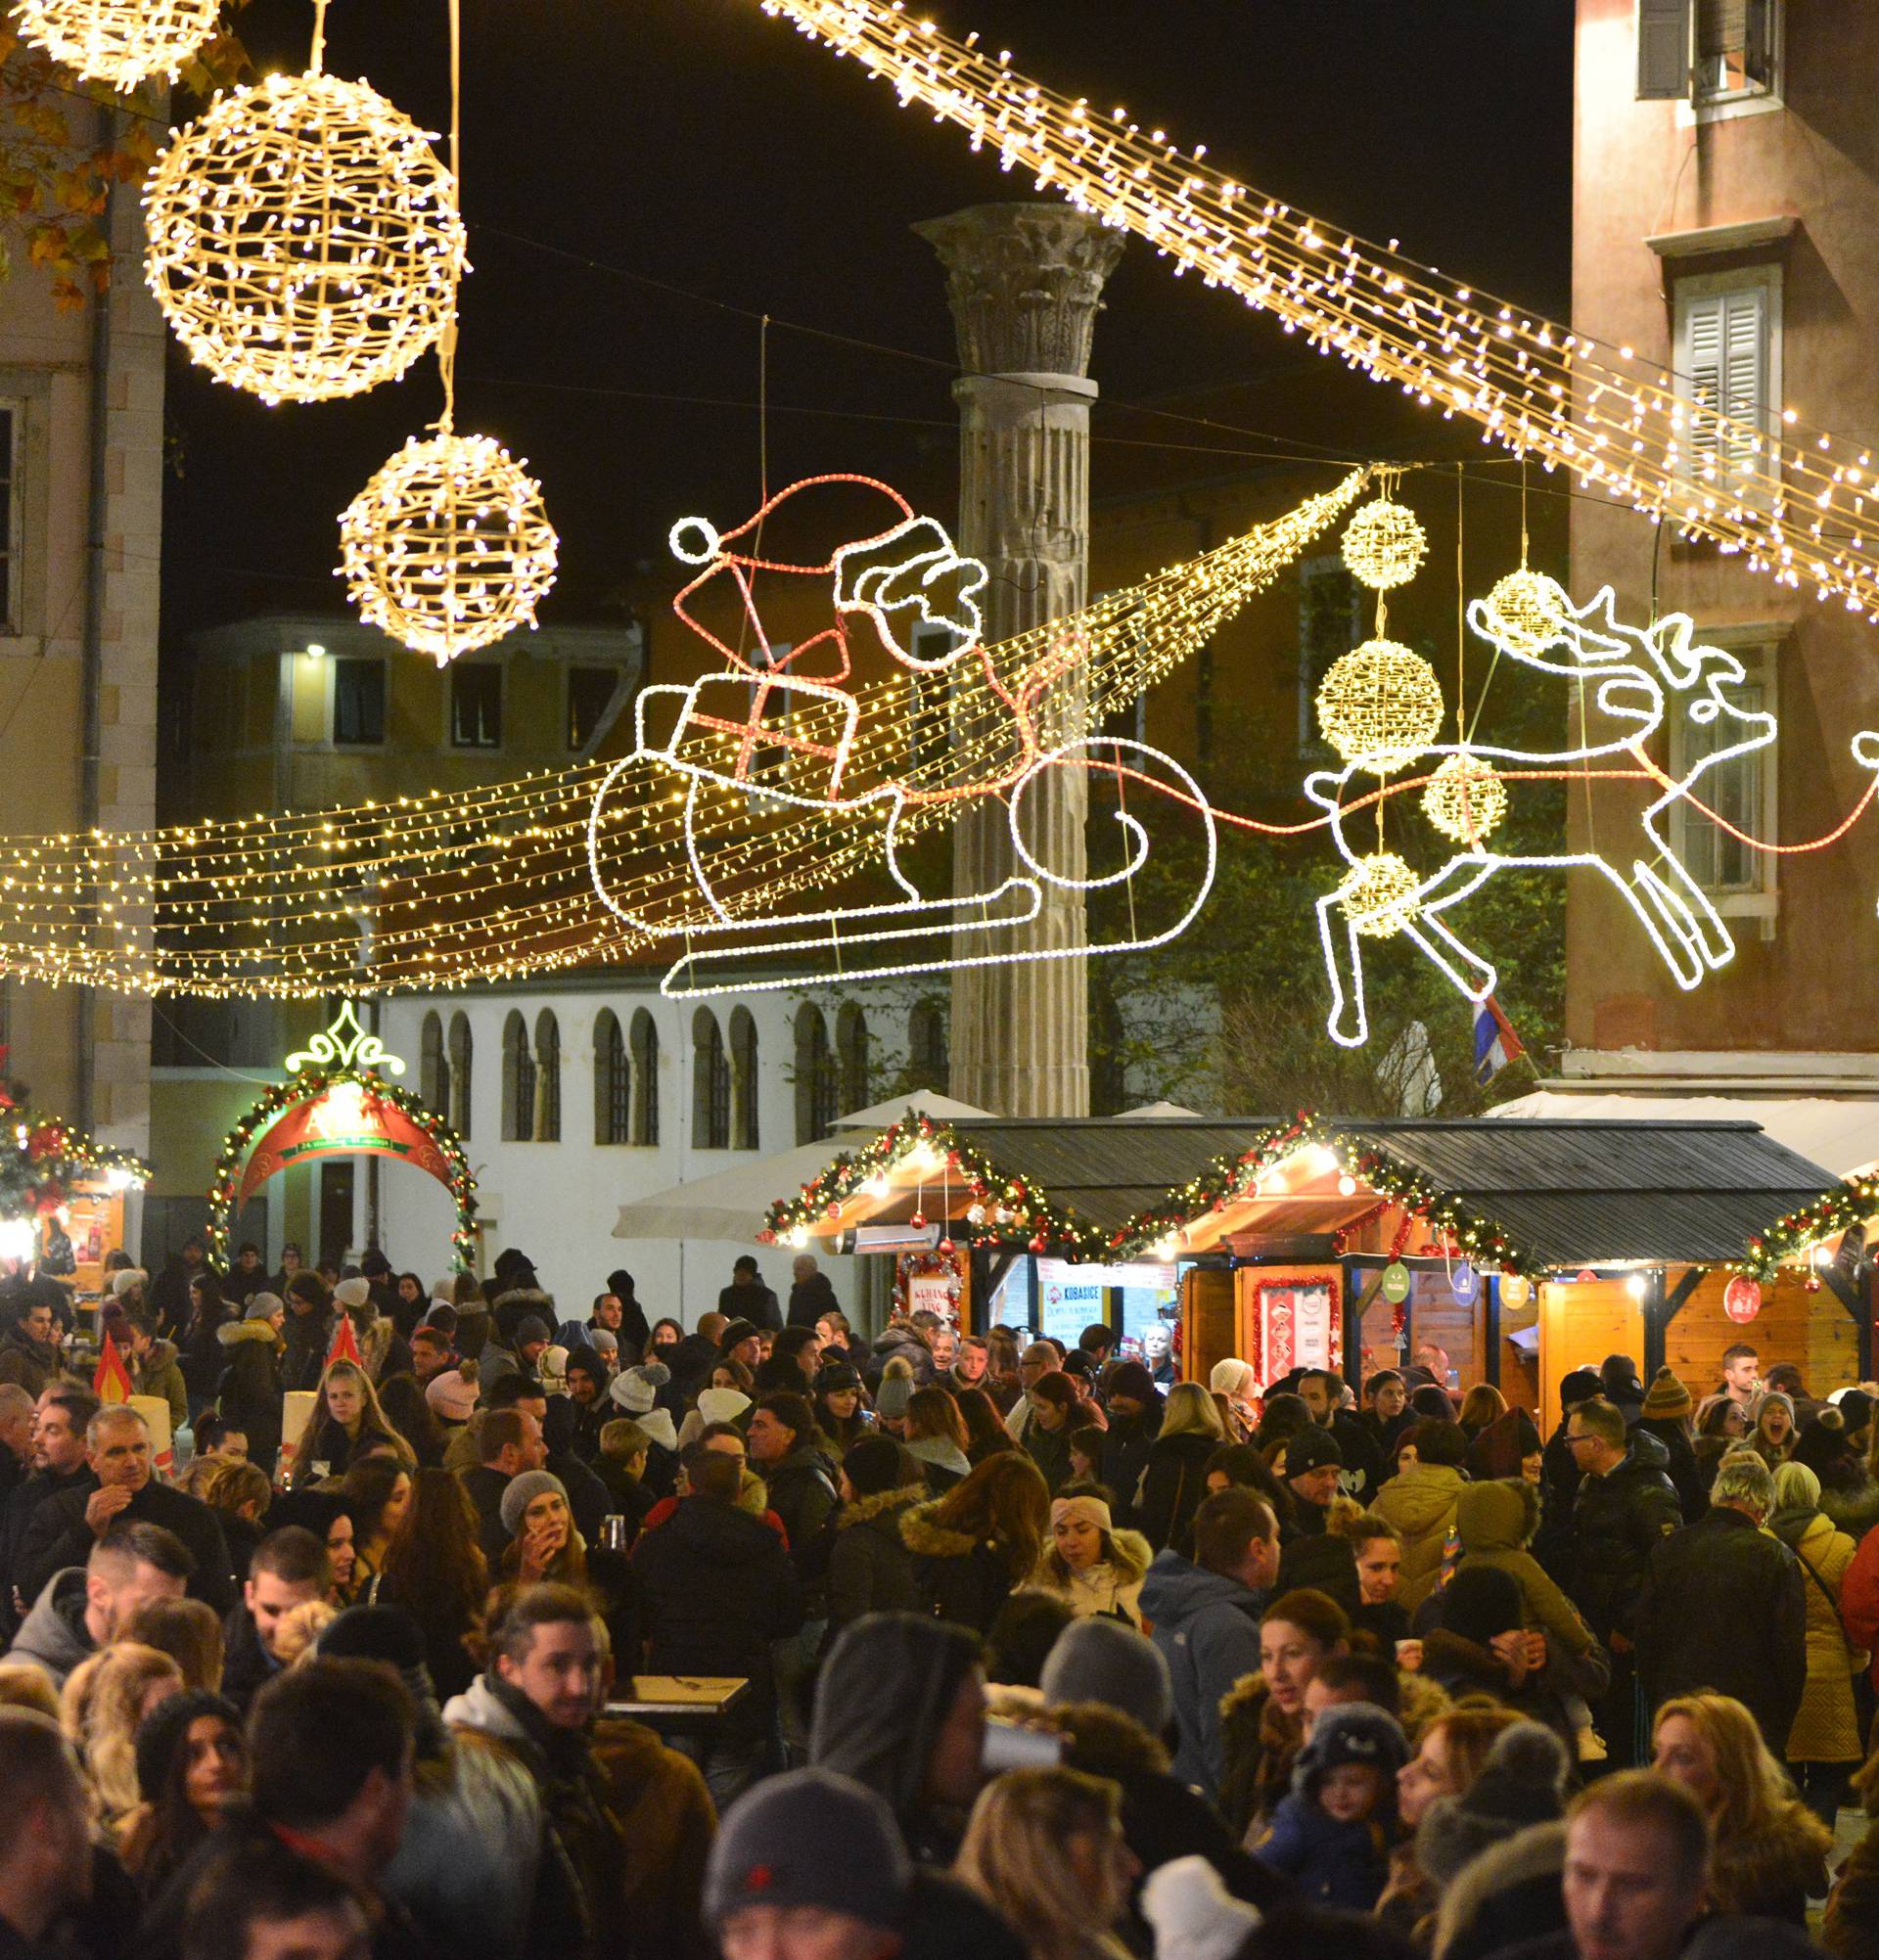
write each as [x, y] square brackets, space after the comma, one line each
[1703, 373]
[1757, 42]
[1744, 369]
[1663, 50]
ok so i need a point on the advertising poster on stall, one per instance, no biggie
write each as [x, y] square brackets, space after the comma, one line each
[1071, 1297]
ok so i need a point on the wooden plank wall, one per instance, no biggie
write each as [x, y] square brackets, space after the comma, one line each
[1808, 1328]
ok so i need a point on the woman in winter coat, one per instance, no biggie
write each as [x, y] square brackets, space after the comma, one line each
[200, 1349]
[1094, 1569]
[1174, 1483]
[1719, 1426]
[345, 1414]
[251, 1380]
[937, 1438]
[1770, 1850]
[1496, 1523]
[1823, 1745]
[1235, 1380]
[982, 1539]
[1667, 1416]
[1848, 1497]
[1420, 1502]
[869, 1566]
[1053, 1400]
[1773, 1436]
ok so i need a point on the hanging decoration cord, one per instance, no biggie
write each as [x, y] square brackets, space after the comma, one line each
[1462, 612]
[317, 59]
[447, 340]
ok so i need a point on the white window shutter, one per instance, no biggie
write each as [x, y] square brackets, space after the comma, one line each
[1702, 335]
[1663, 50]
[1745, 370]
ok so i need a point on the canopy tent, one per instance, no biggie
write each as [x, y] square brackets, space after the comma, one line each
[730, 1203]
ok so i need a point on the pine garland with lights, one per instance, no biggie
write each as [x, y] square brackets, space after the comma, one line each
[1849, 1203]
[44, 1156]
[306, 1088]
[1002, 1204]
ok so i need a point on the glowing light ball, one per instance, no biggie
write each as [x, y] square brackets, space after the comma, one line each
[1380, 706]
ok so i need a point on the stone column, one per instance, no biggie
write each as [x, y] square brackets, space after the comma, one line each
[1025, 283]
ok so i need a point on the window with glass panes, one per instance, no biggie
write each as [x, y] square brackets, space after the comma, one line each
[476, 705]
[359, 702]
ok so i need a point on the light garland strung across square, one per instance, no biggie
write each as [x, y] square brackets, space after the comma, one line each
[304, 238]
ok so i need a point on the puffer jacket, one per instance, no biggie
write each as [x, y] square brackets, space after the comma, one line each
[1207, 1625]
[1617, 1521]
[157, 1374]
[870, 1568]
[1495, 1522]
[1110, 1588]
[1420, 1502]
[1827, 1727]
[802, 1493]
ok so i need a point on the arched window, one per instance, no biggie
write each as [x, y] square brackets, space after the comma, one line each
[645, 1046]
[710, 1084]
[432, 1085]
[547, 1077]
[612, 1080]
[460, 1056]
[744, 1085]
[852, 1041]
[816, 1084]
[928, 1061]
[518, 1081]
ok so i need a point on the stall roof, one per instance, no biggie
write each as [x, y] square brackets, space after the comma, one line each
[1567, 1191]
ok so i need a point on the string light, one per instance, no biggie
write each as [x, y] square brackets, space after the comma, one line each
[1792, 498]
[1380, 706]
[1384, 545]
[1465, 800]
[448, 548]
[122, 43]
[304, 238]
[1378, 894]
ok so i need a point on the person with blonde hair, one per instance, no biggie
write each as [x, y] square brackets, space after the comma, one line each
[1094, 1567]
[1482, 1407]
[1235, 1381]
[24, 1686]
[1175, 1481]
[346, 1419]
[1823, 1745]
[101, 1707]
[1770, 1848]
[1044, 1849]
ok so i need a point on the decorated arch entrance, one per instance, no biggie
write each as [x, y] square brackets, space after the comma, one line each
[338, 1103]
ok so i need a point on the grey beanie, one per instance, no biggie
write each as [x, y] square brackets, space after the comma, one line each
[264, 1307]
[530, 1327]
[522, 1490]
[809, 1837]
[891, 1403]
[1104, 1661]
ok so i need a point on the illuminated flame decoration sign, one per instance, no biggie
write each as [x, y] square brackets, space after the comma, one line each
[921, 596]
[343, 1044]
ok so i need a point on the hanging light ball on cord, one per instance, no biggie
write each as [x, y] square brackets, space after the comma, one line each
[1528, 611]
[1380, 706]
[122, 43]
[448, 548]
[1384, 545]
[304, 238]
[1378, 894]
[1465, 799]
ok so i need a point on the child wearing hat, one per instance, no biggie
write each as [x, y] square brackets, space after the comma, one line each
[1333, 1834]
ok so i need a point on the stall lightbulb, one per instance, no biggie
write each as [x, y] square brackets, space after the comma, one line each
[1167, 1247]
[1635, 1286]
[1347, 1186]
[118, 1178]
[16, 1238]
[314, 651]
[878, 1184]
[800, 1237]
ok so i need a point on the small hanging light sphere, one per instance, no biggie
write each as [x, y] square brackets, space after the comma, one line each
[304, 238]
[122, 43]
[1380, 706]
[1378, 894]
[1465, 799]
[448, 548]
[1528, 611]
[1384, 545]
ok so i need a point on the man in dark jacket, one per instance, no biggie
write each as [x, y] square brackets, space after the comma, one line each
[1726, 1607]
[288, 1568]
[1666, 1415]
[1560, 1478]
[1135, 1408]
[810, 1294]
[509, 1442]
[1360, 1469]
[169, 1295]
[1626, 1506]
[58, 1465]
[121, 1484]
[28, 1356]
[799, 1475]
[746, 1298]
[251, 1390]
[720, 1589]
[87, 1607]
[1620, 1385]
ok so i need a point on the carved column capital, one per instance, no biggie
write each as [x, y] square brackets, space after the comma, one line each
[1025, 283]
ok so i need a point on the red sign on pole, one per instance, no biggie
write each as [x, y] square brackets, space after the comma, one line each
[1742, 1299]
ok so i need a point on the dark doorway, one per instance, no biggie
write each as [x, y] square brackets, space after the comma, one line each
[336, 1211]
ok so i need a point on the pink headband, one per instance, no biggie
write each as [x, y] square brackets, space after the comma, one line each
[1092, 1510]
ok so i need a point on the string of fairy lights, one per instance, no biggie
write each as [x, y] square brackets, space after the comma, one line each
[492, 883]
[1790, 496]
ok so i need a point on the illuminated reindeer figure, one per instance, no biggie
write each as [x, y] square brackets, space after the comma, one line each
[922, 598]
[1638, 678]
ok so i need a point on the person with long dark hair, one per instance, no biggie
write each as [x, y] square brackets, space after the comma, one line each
[435, 1569]
[972, 1546]
[192, 1763]
[199, 1349]
[404, 1403]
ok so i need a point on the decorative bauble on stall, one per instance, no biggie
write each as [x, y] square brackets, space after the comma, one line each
[448, 548]
[1465, 799]
[1380, 706]
[1384, 545]
[304, 238]
[122, 43]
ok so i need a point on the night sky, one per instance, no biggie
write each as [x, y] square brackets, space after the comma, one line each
[617, 150]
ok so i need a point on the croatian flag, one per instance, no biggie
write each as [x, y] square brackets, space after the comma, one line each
[1495, 1042]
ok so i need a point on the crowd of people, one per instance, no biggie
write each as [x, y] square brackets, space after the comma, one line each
[1043, 1651]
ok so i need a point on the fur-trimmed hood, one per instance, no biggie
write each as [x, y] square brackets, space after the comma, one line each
[1105, 1742]
[1784, 1860]
[1537, 1852]
[1129, 1557]
[880, 1504]
[1497, 1517]
[232, 1333]
[921, 1536]
[1421, 1702]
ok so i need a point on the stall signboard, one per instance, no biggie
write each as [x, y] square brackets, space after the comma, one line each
[1296, 1324]
[1742, 1299]
[1463, 1283]
[1066, 1305]
[1071, 1297]
[342, 1120]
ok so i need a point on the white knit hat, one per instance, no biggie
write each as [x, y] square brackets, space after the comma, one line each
[1193, 1915]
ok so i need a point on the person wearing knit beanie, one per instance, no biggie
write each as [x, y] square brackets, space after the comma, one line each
[165, 1730]
[522, 1490]
[264, 1307]
[1666, 1396]
[1104, 1661]
[1502, 1449]
[1523, 1783]
[1193, 1915]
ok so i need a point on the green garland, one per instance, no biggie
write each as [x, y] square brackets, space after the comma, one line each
[304, 1089]
[42, 1157]
[1002, 1204]
[1851, 1202]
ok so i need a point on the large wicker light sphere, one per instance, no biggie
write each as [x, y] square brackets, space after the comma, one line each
[1379, 705]
[1465, 799]
[1528, 611]
[1384, 545]
[122, 43]
[1378, 894]
[304, 238]
[448, 547]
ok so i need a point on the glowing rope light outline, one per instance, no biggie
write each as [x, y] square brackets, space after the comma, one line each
[1676, 914]
[345, 1044]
